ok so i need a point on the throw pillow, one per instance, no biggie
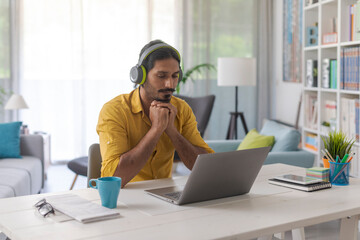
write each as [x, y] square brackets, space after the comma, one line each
[255, 140]
[10, 140]
[286, 138]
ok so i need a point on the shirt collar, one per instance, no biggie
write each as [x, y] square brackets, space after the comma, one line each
[136, 105]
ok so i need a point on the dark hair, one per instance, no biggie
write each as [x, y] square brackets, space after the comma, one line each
[158, 54]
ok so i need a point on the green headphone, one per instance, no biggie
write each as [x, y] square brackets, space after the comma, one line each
[138, 72]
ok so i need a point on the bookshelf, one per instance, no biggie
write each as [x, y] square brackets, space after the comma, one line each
[331, 95]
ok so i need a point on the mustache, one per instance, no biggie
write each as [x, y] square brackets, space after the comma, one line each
[167, 90]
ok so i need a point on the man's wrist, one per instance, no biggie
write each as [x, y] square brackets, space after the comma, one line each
[171, 131]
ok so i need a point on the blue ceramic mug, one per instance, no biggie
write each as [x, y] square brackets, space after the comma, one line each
[109, 188]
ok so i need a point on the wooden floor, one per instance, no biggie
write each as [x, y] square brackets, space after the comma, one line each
[60, 179]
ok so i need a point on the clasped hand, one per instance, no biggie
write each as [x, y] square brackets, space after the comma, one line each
[162, 116]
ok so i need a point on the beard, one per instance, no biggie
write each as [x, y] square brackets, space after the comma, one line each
[161, 95]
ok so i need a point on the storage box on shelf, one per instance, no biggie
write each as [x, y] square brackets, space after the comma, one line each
[331, 100]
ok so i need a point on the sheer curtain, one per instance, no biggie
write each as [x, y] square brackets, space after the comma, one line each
[265, 54]
[5, 49]
[214, 29]
[76, 55]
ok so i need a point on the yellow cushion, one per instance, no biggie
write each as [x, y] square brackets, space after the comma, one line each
[255, 140]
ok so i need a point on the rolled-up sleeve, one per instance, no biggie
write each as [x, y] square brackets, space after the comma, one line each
[190, 130]
[113, 138]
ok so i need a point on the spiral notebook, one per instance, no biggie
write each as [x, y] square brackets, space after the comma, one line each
[307, 188]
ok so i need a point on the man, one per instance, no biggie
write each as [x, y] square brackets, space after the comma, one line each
[140, 131]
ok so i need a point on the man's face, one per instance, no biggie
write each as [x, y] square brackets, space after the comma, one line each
[162, 80]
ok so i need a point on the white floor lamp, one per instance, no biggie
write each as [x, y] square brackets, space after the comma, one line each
[236, 72]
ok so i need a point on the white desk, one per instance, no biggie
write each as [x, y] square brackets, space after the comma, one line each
[267, 209]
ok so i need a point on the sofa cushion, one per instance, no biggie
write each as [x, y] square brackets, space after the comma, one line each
[17, 179]
[6, 191]
[10, 140]
[286, 138]
[255, 140]
[28, 166]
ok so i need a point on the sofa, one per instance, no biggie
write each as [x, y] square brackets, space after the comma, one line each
[284, 148]
[25, 175]
[300, 158]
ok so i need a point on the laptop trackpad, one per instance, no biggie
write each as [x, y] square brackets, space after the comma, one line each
[167, 191]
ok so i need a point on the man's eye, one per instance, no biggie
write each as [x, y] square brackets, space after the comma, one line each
[161, 76]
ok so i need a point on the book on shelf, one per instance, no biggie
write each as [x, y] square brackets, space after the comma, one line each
[311, 141]
[349, 68]
[352, 22]
[326, 73]
[333, 74]
[329, 73]
[330, 110]
[349, 116]
[311, 73]
[311, 108]
[298, 186]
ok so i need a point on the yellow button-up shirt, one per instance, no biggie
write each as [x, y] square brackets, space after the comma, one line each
[123, 123]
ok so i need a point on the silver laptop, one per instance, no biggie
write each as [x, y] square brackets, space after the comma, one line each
[217, 175]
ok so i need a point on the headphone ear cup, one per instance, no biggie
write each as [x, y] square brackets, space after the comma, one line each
[134, 74]
[138, 74]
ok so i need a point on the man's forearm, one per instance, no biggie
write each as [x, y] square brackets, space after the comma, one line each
[186, 151]
[134, 160]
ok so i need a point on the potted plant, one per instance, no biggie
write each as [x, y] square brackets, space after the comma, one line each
[336, 144]
[192, 70]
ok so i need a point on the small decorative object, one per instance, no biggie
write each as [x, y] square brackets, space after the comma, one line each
[338, 153]
[329, 38]
[192, 70]
[311, 36]
[325, 127]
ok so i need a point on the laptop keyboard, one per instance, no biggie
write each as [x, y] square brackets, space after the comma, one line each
[174, 195]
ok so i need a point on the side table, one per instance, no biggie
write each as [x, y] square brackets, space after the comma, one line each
[47, 150]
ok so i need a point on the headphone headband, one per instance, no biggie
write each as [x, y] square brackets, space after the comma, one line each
[151, 49]
[138, 72]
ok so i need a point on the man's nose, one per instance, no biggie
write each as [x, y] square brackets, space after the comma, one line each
[170, 83]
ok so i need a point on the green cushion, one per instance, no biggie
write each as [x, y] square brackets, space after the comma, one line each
[10, 140]
[286, 138]
[255, 140]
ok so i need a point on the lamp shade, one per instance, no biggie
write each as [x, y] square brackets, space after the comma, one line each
[236, 71]
[16, 101]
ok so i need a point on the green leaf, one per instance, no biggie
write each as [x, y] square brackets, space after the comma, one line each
[197, 68]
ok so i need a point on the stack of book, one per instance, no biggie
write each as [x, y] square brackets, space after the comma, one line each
[299, 182]
[319, 173]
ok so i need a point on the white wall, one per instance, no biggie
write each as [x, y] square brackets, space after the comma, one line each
[286, 95]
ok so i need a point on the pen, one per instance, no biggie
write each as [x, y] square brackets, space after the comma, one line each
[329, 155]
[345, 158]
[337, 158]
[351, 157]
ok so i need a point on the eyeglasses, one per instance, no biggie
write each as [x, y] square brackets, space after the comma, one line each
[44, 208]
